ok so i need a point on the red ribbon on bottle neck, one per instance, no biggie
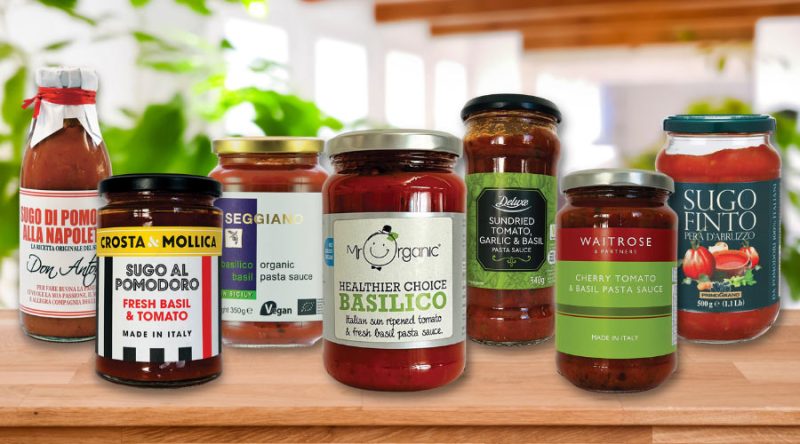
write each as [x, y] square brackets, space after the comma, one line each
[60, 96]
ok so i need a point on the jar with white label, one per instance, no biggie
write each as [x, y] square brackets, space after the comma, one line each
[159, 240]
[395, 265]
[271, 273]
[63, 161]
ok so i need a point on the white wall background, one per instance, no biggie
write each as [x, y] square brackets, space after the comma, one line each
[614, 99]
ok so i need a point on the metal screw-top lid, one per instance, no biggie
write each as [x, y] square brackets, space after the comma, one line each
[394, 139]
[616, 177]
[243, 145]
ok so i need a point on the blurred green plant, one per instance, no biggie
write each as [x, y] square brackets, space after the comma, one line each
[787, 139]
[163, 137]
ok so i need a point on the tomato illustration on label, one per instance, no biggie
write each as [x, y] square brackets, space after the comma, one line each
[698, 262]
[718, 270]
[751, 253]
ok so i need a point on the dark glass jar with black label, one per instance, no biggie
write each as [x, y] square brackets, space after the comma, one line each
[512, 152]
[727, 196]
[159, 241]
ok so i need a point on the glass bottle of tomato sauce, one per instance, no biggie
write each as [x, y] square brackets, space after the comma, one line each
[159, 240]
[64, 160]
[616, 280]
[271, 274]
[512, 151]
[394, 254]
[727, 196]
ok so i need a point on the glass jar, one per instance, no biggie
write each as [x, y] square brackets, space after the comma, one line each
[159, 240]
[64, 160]
[616, 280]
[394, 254]
[512, 152]
[271, 280]
[727, 196]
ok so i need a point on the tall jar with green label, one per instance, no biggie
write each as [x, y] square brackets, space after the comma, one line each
[616, 280]
[512, 152]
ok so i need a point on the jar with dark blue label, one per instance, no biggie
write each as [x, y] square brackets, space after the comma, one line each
[727, 196]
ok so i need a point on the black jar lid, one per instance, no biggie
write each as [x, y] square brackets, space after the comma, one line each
[719, 123]
[510, 102]
[162, 183]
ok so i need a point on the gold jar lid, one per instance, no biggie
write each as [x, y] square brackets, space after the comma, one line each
[244, 145]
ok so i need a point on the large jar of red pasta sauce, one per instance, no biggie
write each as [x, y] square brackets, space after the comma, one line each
[62, 164]
[394, 255]
[616, 280]
[727, 196]
[271, 274]
[512, 151]
[159, 240]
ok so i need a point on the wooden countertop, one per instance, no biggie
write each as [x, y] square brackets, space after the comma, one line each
[511, 391]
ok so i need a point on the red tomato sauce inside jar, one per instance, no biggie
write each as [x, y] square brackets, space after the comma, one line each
[720, 157]
[265, 177]
[512, 151]
[616, 263]
[61, 167]
[394, 250]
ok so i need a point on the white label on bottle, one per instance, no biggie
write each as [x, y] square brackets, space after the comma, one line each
[158, 309]
[271, 257]
[395, 280]
[57, 261]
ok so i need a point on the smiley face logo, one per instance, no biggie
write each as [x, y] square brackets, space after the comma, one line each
[380, 248]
